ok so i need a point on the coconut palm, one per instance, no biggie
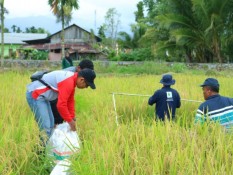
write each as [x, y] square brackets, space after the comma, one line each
[198, 26]
[62, 9]
[132, 41]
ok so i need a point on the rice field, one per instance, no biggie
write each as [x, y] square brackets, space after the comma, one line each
[136, 145]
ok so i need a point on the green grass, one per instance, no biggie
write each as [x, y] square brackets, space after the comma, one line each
[138, 145]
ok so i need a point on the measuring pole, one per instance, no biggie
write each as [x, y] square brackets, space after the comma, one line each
[114, 104]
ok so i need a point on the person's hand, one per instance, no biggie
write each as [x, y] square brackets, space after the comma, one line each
[72, 125]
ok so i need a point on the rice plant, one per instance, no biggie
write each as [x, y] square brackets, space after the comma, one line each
[136, 145]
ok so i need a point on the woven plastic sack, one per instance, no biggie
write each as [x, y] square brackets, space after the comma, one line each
[63, 142]
[61, 168]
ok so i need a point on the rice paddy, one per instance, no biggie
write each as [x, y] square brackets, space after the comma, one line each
[136, 145]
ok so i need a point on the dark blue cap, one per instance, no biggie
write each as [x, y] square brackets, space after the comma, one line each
[167, 80]
[212, 82]
[89, 76]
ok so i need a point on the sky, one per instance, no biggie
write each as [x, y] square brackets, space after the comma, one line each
[90, 15]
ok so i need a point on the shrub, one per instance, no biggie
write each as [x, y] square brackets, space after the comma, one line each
[39, 55]
[111, 55]
[179, 67]
[143, 54]
[211, 73]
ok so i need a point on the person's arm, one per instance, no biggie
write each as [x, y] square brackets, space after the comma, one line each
[178, 101]
[153, 98]
[65, 104]
[200, 116]
[72, 125]
[71, 104]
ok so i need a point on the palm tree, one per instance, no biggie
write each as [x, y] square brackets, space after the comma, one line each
[62, 9]
[198, 26]
[132, 42]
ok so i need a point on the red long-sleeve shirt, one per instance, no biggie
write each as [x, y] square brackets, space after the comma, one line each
[62, 87]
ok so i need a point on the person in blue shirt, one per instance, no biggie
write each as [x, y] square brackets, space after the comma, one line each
[216, 107]
[166, 99]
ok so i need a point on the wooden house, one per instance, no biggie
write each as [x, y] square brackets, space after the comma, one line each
[78, 42]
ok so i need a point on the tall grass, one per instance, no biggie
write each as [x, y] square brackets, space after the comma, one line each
[138, 145]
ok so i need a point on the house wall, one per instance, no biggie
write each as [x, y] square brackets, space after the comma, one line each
[54, 56]
[10, 48]
[72, 35]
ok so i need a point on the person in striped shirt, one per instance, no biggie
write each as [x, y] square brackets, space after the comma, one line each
[216, 108]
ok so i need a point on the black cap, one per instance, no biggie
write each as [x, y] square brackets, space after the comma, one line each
[86, 64]
[89, 76]
[212, 82]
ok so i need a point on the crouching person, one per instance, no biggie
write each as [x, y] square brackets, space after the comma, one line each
[82, 65]
[57, 85]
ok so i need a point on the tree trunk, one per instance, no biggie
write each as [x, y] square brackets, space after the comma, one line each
[189, 58]
[218, 53]
[63, 36]
[2, 33]
[216, 48]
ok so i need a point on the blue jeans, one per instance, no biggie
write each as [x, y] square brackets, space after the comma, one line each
[43, 113]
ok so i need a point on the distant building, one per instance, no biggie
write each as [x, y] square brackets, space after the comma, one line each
[77, 40]
[14, 41]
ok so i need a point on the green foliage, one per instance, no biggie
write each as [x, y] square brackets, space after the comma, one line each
[143, 54]
[13, 55]
[34, 54]
[179, 67]
[139, 13]
[39, 55]
[211, 73]
[198, 26]
[112, 55]
[148, 67]
[32, 29]
[101, 31]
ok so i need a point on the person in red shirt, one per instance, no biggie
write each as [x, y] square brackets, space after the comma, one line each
[82, 65]
[57, 85]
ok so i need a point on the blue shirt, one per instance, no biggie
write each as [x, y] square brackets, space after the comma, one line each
[167, 100]
[216, 108]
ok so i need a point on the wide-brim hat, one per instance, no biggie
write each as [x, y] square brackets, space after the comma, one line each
[167, 80]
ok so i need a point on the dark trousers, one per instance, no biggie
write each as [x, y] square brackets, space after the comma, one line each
[57, 117]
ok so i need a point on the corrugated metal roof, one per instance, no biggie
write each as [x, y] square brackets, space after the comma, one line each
[18, 38]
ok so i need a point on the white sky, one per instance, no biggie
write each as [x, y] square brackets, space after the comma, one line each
[84, 16]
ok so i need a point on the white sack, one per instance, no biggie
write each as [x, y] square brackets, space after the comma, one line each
[63, 142]
[61, 168]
